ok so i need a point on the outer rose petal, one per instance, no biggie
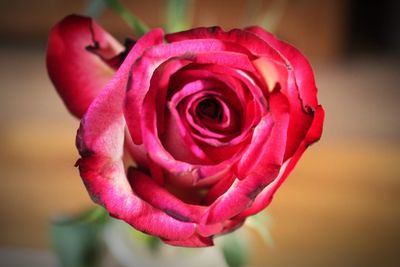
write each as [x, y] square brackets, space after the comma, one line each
[100, 142]
[265, 197]
[247, 40]
[302, 68]
[77, 74]
[161, 199]
[194, 241]
[301, 79]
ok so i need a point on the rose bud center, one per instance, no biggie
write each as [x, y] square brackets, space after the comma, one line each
[210, 108]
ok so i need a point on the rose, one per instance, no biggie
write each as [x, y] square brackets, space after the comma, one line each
[194, 131]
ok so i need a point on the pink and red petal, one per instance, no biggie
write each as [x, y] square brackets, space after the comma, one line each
[161, 199]
[257, 176]
[194, 241]
[78, 74]
[238, 38]
[146, 65]
[302, 68]
[265, 197]
[100, 141]
[301, 89]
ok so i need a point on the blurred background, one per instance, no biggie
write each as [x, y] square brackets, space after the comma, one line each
[340, 206]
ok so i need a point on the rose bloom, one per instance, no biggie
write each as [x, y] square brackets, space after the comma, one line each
[184, 135]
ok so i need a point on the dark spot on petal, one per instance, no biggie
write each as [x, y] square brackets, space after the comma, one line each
[117, 60]
[92, 33]
[77, 163]
[114, 61]
[129, 43]
[277, 88]
[176, 215]
[129, 82]
[189, 56]
[253, 194]
[213, 29]
[95, 45]
[309, 109]
[84, 151]
[210, 108]
[96, 198]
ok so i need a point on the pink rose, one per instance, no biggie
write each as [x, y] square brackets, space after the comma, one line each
[184, 135]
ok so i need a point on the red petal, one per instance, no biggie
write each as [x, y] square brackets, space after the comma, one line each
[161, 199]
[224, 58]
[77, 74]
[248, 41]
[144, 68]
[272, 128]
[301, 89]
[100, 141]
[301, 66]
[107, 184]
[232, 225]
[207, 230]
[265, 197]
[194, 241]
[259, 173]
[219, 188]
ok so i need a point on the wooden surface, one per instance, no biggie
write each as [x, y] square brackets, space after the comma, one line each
[340, 207]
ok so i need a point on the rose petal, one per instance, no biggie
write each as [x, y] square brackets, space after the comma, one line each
[189, 151]
[137, 152]
[180, 144]
[265, 197]
[77, 74]
[275, 123]
[231, 78]
[141, 78]
[301, 89]
[107, 184]
[194, 241]
[231, 225]
[219, 188]
[251, 42]
[161, 199]
[144, 68]
[224, 58]
[100, 141]
[242, 193]
[302, 68]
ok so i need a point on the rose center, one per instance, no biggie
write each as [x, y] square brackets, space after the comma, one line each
[210, 108]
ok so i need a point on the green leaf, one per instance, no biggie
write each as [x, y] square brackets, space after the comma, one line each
[77, 240]
[234, 250]
[179, 15]
[139, 27]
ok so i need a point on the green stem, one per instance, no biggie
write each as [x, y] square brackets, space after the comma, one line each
[179, 15]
